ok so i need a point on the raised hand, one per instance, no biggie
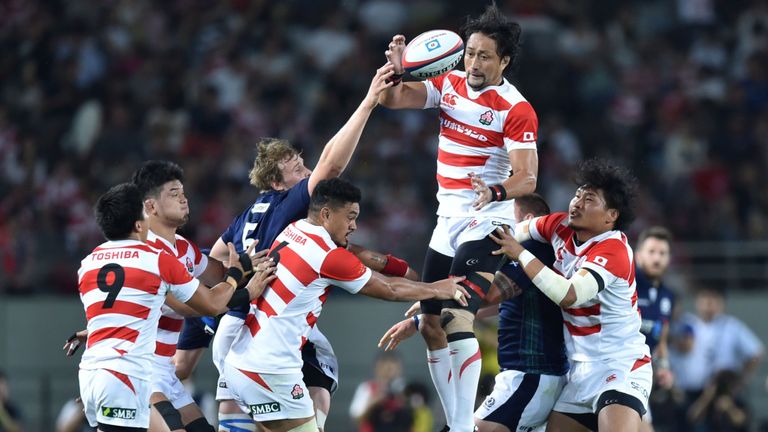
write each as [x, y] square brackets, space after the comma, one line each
[394, 52]
[482, 191]
[397, 333]
[74, 342]
[415, 309]
[509, 246]
[379, 84]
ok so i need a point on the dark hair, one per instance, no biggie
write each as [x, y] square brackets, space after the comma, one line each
[533, 203]
[333, 193]
[619, 187]
[118, 209]
[505, 32]
[152, 175]
[657, 232]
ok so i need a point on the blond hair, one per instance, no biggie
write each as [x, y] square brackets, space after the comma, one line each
[266, 167]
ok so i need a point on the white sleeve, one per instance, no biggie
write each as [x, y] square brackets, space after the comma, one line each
[433, 95]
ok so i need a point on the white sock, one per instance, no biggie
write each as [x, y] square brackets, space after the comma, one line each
[465, 371]
[439, 363]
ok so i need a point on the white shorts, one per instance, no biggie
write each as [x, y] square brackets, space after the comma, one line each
[588, 380]
[270, 396]
[226, 332]
[451, 232]
[521, 401]
[165, 381]
[114, 398]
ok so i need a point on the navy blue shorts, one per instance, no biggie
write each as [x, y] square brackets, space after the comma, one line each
[193, 335]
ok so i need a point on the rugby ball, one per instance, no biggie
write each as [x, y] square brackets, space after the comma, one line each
[433, 53]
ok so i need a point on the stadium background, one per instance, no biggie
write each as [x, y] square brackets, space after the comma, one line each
[676, 90]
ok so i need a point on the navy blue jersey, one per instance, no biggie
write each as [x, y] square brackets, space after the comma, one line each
[655, 304]
[265, 219]
[531, 325]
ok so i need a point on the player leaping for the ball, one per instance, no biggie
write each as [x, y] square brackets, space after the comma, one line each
[487, 129]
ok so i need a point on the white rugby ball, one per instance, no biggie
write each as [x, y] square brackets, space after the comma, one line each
[433, 53]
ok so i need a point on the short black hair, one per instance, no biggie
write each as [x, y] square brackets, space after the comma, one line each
[153, 174]
[118, 209]
[619, 187]
[533, 203]
[333, 193]
[657, 232]
[505, 32]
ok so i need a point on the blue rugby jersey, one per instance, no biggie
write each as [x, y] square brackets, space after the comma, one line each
[655, 304]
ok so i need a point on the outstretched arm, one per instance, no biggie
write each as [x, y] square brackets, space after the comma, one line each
[338, 151]
[405, 94]
[388, 264]
[401, 289]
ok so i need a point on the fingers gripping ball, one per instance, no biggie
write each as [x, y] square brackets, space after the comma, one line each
[433, 53]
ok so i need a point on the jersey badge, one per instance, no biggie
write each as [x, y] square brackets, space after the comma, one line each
[449, 100]
[486, 118]
[190, 268]
[297, 392]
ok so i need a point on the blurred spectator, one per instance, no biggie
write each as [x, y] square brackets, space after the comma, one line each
[417, 395]
[381, 396]
[72, 417]
[713, 341]
[721, 407]
[10, 415]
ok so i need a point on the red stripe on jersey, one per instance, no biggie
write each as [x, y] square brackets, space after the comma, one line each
[181, 247]
[118, 307]
[634, 299]
[282, 291]
[256, 377]
[324, 296]
[575, 330]
[475, 357]
[134, 278]
[140, 247]
[124, 378]
[458, 160]
[303, 342]
[295, 264]
[315, 238]
[164, 349]
[548, 225]
[468, 135]
[452, 183]
[342, 265]
[159, 244]
[522, 124]
[171, 270]
[640, 362]
[490, 98]
[123, 333]
[252, 323]
[311, 319]
[170, 324]
[612, 255]
[585, 311]
[263, 305]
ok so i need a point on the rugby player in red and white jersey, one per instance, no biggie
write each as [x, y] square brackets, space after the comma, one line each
[166, 204]
[263, 366]
[123, 283]
[487, 130]
[594, 282]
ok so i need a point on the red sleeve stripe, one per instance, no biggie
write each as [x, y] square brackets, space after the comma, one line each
[252, 323]
[124, 333]
[134, 278]
[311, 319]
[299, 268]
[641, 362]
[327, 291]
[118, 307]
[164, 349]
[464, 134]
[282, 291]
[170, 324]
[452, 183]
[575, 330]
[124, 378]
[585, 311]
[181, 247]
[458, 160]
[263, 305]
[317, 239]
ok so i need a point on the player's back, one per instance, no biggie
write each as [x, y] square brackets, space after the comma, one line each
[478, 129]
[608, 325]
[279, 321]
[122, 286]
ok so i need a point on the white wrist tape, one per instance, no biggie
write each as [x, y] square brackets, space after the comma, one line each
[522, 231]
[525, 258]
[551, 284]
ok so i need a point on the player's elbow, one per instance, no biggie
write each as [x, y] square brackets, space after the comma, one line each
[528, 184]
[569, 299]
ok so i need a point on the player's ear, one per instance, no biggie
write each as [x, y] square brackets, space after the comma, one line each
[611, 216]
[504, 62]
[325, 213]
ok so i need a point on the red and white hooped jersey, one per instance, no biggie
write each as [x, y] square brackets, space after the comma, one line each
[122, 286]
[279, 321]
[608, 325]
[169, 326]
[478, 129]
